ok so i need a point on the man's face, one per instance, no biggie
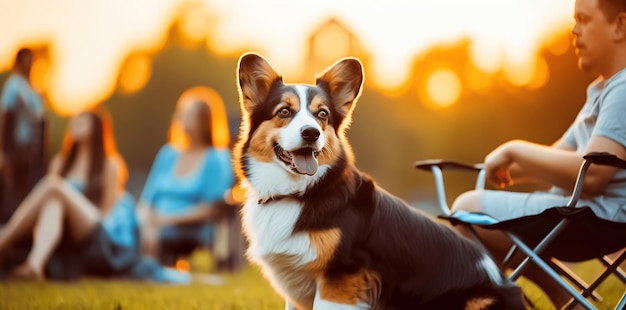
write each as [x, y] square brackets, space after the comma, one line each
[593, 36]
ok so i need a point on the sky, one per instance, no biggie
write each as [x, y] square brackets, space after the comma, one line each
[90, 39]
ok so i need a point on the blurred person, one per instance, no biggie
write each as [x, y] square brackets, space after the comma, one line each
[80, 218]
[82, 187]
[183, 198]
[22, 140]
[600, 40]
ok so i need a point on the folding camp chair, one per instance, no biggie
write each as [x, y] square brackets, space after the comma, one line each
[564, 233]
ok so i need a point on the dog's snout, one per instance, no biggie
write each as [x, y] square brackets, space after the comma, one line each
[310, 134]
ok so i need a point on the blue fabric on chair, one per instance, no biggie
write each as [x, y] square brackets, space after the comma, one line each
[584, 238]
[473, 217]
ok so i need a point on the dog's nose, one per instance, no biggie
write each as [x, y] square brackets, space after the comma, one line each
[310, 134]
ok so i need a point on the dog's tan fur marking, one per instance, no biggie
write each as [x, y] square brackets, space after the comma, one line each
[325, 242]
[261, 146]
[316, 104]
[331, 151]
[363, 286]
[291, 100]
[295, 284]
[479, 303]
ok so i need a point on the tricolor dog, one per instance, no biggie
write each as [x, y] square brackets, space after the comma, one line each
[324, 234]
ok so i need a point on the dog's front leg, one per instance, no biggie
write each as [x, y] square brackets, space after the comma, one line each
[339, 294]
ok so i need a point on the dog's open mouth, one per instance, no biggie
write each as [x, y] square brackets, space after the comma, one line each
[302, 161]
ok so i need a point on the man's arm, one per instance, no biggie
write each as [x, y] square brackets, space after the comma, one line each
[557, 164]
[519, 176]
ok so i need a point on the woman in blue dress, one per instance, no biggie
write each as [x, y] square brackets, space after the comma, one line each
[78, 215]
[189, 177]
[79, 219]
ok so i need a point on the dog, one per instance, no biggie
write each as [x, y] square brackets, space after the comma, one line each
[324, 234]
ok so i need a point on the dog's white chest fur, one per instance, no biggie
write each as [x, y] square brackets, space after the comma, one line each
[281, 253]
[270, 230]
[270, 226]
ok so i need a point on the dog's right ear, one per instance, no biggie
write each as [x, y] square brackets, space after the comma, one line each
[256, 77]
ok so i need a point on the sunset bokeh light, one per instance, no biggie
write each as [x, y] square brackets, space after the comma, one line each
[91, 40]
[443, 88]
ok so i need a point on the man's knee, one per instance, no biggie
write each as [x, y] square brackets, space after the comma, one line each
[469, 201]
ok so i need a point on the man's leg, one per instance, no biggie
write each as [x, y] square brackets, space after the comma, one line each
[499, 245]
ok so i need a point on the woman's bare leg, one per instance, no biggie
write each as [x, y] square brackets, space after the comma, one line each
[23, 219]
[44, 216]
[46, 235]
[80, 214]
[499, 244]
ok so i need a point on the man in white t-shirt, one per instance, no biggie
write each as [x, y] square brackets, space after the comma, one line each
[600, 39]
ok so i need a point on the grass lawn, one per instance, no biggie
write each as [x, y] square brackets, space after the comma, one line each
[243, 290]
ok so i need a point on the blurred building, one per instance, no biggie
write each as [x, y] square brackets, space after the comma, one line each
[329, 42]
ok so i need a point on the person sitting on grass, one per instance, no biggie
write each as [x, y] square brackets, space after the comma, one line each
[183, 195]
[79, 216]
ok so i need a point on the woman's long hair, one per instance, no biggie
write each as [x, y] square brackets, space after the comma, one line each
[102, 145]
[212, 116]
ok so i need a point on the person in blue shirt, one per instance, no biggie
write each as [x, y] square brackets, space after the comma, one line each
[188, 179]
[76, 206]
[22, 138]
[79, 217]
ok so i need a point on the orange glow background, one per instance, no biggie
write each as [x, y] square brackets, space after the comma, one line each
[448, 78]
[91, 39]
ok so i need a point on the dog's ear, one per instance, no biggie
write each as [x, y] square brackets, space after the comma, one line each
[343, 82]
[256, 76]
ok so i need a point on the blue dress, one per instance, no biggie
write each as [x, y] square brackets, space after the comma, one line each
[170, 194]
[111, 249]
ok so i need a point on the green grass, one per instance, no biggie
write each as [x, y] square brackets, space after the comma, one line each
[611, 290]
[242, 290]
[245, 289]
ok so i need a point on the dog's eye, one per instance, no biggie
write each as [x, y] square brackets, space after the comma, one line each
[284, 113]
[322, 114]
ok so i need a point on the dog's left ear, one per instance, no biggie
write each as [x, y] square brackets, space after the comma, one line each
[343, 82]
[256, 76]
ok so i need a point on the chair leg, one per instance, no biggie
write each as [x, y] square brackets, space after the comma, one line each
[506, 263]
[538, 249]
[587, 289]
[613, 266]
[534, 257]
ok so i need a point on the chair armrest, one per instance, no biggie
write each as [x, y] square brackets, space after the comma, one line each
[436, 167]
[605, 159]
[598, 158]
[447, 165]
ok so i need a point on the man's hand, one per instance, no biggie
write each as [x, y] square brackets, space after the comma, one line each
[497, 165]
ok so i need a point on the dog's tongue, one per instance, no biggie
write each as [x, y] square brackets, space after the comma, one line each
[304, 161]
